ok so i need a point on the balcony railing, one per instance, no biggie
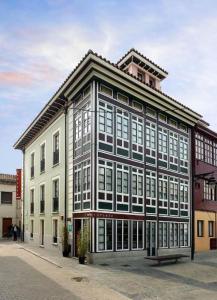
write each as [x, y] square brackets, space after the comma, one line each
[32, 172]
[32, 208]
[42, 165]
[42, 202]
[55, 204]
[56, 157]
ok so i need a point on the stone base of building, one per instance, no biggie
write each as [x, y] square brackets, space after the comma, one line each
[95, 258]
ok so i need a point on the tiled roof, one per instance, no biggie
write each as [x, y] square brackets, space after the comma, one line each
[158, 91]
[29, 133]
[7, 178]
[136, 51]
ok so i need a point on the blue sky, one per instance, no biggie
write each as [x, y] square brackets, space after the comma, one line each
[41, 42]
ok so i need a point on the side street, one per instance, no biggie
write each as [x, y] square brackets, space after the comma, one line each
[44, 272]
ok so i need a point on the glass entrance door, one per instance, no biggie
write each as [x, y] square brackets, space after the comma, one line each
[151, 238]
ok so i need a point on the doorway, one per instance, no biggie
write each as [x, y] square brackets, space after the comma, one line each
[79, 224]
[76, 233]
[6, 225]
[151, 238]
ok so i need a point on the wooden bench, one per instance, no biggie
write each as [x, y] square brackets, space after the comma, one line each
[173, 257]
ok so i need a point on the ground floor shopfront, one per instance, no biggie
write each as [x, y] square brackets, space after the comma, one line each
[119, 234]
[205, 231]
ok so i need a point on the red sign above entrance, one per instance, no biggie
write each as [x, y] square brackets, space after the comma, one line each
[19, 184]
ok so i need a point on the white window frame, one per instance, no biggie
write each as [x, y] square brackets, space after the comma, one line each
[54, 179]
[137, 172]
[174, 187]
[55, 220]
[40, 186]
[172, 234]
[153, 178]
[184, 230]
[77, 193]
[105, 191]
[137, 235]
[85, 166]
[165, 228]
[41, 145]
[103, 120]
[165, 185]
[53, 135]
[105, 239]
[120, 168]
[106, 87]
[122, 231]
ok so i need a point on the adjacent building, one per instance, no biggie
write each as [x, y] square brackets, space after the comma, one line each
[10, 207]
[205, 192]
[113, 151]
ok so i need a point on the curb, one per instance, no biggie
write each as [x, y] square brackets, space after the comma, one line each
[42, 257]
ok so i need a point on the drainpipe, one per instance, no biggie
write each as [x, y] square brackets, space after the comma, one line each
[65, 203]
[192, 193]
[23, 200]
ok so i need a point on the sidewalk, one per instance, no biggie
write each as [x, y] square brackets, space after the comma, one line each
[135, 278]
[51, 256]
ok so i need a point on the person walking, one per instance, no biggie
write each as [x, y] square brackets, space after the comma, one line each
[15, 232]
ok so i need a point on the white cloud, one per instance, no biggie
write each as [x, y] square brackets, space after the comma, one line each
[174, 35]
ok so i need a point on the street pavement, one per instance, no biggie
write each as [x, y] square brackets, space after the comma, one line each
[35, 273]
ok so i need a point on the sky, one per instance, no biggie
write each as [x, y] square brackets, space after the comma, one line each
[41, 41]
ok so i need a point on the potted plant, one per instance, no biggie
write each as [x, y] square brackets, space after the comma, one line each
[83, 244]
[65, 245]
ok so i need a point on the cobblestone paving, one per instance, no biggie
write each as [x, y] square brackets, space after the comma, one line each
[28, 272]
[19, 281]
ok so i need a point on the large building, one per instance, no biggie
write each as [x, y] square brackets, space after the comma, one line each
[111, 150]
[10, 207]
[205, 192]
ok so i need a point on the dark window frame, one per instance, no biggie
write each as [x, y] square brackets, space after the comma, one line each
[211, 232]
[7, 202]
[202, 228]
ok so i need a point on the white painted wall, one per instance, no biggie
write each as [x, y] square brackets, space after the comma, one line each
[50, 173]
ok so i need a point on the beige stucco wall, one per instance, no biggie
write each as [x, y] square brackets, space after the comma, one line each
[203, 243]
[8, 210]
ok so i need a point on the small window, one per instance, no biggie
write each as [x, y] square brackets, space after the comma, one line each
[56, 141]
[200, 225]
[56, 195]
[6, 197]
[211, 228]
[162, 118]
[86, 92]
[172, 122]
[122, 98]
[32, 171]
[42, 162]
[152, 82]
[137, 106]
[183, 127]
[140, 76]
[150, 112]
[106, 90]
